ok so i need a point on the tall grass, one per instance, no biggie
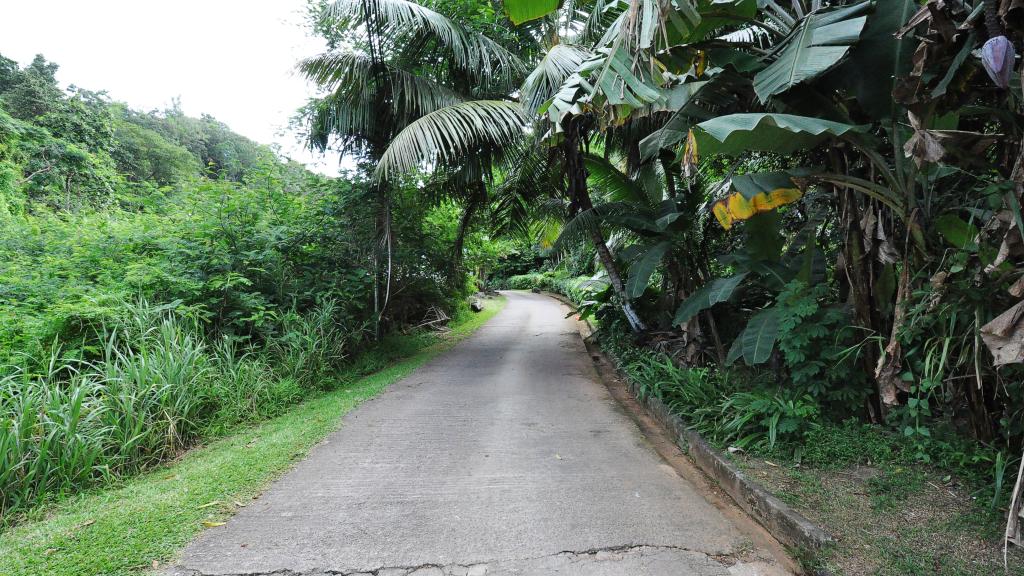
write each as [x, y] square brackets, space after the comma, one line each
[745, 410]
[154, 388]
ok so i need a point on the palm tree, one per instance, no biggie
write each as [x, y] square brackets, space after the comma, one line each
[408, 64]
[490, 129]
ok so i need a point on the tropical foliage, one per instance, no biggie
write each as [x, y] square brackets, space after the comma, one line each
[163, 279]
[826, 191]
[791, 214]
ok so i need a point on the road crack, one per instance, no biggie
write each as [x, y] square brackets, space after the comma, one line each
[597, 554]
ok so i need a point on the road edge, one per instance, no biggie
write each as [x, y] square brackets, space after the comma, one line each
[783, 523]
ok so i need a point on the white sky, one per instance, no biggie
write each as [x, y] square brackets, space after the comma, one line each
[232, 59]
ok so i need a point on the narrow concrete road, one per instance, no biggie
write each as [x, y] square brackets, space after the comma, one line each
[504, 456]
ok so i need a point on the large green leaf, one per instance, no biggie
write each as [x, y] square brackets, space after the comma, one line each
[780, 133]
[719, 290]
[714, 15]
[608, 77]
[758, 338]
[641, 270]
[618, 81]
[960, 234]
[879, 59]
[693, 102]
[520, 11]
[817, 44]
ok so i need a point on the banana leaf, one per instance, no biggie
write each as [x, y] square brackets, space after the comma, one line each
[757, 341]
[520, 11]
[641, 270]
[756, 193]
[779, 133]
[719, 290]
[817, 44]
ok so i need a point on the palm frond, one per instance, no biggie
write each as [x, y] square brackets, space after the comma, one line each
[602, 15]
[612, 182]
[352, 75]
[474, 53]
[551, 72]
[450, 134]
[531, 177]
[349, 121]
[579, 228]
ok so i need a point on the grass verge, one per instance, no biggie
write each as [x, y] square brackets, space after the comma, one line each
[890, 513]
[890, 518]
[144, 522]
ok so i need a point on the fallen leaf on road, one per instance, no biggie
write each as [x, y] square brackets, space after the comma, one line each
[209, 504]
[209, 524]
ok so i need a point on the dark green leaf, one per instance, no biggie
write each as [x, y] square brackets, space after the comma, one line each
[641, 270]
[759, 336]
[719, 290]
[817, 44]
[780, 133]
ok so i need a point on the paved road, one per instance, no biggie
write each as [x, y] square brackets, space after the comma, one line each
[504, 456]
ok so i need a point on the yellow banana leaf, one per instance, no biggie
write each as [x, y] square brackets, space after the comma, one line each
[753, 194]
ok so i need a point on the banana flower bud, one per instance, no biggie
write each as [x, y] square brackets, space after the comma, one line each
[997, 55]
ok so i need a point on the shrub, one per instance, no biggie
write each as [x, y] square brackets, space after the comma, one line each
[154, 390]
[727, 406]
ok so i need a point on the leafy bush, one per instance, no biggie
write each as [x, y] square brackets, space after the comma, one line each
[814, 341]
[165, 279]
[728, 407]
[156, 388]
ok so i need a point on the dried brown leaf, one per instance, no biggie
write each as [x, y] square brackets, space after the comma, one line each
[1004, 336]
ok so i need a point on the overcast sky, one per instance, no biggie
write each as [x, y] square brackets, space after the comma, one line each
[232, 59]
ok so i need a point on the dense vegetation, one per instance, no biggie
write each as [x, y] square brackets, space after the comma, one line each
[790, 218]
[163, 278]
[816, 203]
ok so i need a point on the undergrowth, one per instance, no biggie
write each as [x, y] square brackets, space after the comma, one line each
[124, 528]
[762, 415]
[157, 387]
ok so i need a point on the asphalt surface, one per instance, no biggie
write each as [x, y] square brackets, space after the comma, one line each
[504, 456]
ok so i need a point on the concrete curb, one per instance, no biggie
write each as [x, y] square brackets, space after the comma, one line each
[787, 525]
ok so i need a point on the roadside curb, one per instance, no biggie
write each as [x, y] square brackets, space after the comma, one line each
[787, 525]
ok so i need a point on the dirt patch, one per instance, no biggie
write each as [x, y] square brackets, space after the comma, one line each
[891, 520]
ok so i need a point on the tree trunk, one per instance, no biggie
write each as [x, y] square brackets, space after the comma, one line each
[382, 263]
[858, 274]
[472, 205]
[608, 261]
[576, 175]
